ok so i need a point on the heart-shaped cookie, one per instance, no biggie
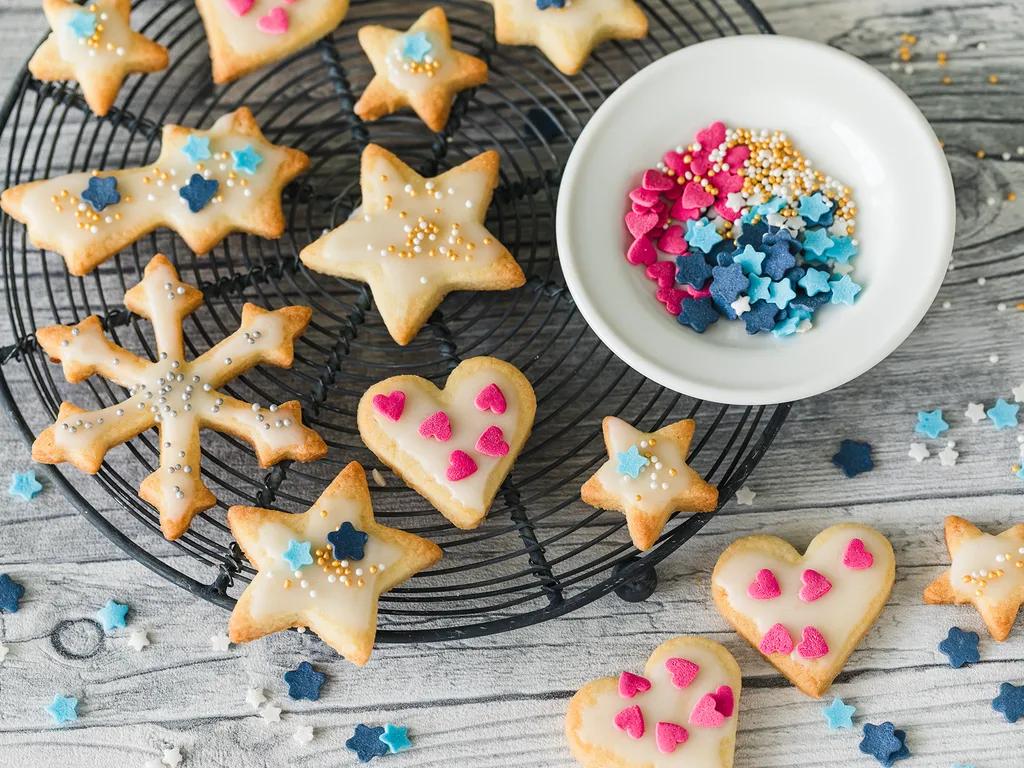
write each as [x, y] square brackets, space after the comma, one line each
[455, 445]
[806, 613]
[683, 710]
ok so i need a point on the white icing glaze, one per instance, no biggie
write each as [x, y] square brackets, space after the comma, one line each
[414, 77]
[111, 40]
[973, 572]
[836, 614]
[243, 34]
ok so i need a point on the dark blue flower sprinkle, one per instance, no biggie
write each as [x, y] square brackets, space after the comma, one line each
[884, 743]
[727, 283]
[692, 270]
[366, 743]
[348, 541]
[1010, 702]
[753, 234]
[101, 192]
[760, 318]
[304, 682]
[960, 647]
[11, 593]
[698, 314]
[198, 192]
[854, 458]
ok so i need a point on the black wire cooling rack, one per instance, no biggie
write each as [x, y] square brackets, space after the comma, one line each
[541, 552]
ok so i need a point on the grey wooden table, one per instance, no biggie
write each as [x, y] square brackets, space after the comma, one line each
[499, 701]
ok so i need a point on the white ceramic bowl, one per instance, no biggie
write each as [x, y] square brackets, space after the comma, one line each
[851, 122]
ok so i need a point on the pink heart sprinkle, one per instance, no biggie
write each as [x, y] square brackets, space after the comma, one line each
[672, 299]
[776, 640]
[764, 586]
[701, 293]
[700, 163]
[705, 712]
[683, 671]
[674, 193]
[460, 466]
[240, 7]
[695, 196]
[644, 196]
[656, 181]
[630, 685]
[681, 213]
[672, 241]
[631, 720]
[726, 182]
[275, 22]
[437, 426]
[724, 701]
[737, 156]
[857, 557]
[491, 398]
[492, 442]
[711, 136]
[813, 645]
[662, 272]
[391, 405]
[641, 252]
[669, 736]
[639, 224]
[674, 160]
[815, 586]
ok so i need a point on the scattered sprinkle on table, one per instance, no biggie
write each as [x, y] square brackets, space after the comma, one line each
[138, 639]
[930, 423]
[853, 457]
[11, 593]
[25, 485]
[745, 497]
[63, 709]
[839, 714]
[3, 652]
[366, 743]
[975, 412]
[948, 455]
[1010, 702]
[303, 734]
[220, 642]
[1003, 414]
[918, 452]
[254, 697]
[271, 714]
[112, 615]
[304, 682]
[884, 743]
[171, 757]
[396, 737]
[960, 647]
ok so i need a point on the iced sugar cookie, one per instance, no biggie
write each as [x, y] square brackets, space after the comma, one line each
[94, 45]
[806, 613]
[566, 31]
[414, 239]
[682, 711]
[986, 570]
[417, 68]
[204, 185]
[456, 445]
[246, 34]
[646, 477]
[180, 397]
[323, 569]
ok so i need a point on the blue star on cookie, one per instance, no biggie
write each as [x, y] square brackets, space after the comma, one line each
[366, 743]
[25, 485]
[1003, 414]
[814, 207]
[854, 457]
[839, 714]
[11, 593]
[842, 250]
[63, 709]
[698, 314]
[844, 290]
[815, 281]
[246, 159]
[631, 462]
[930, 423]
[112, 615]
[543, 5]
[759, 288]
[817, 241]
[749, 259]
[297, 554]
[198, 192]
[960, 647]
[702, 234]
[348, 542]
[1010, 702]
[100, 192]
[760, 318]
[884, 743]
[781, 293]
[83, 24]
[692, 270]
[304, 682]
[727, 283]
[415, 46]
[196, 148]
[396, 737]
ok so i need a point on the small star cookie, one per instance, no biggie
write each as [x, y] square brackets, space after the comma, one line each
[94, 46]
[417, 68]
[986, 570]
[647, 478]
[414, 239]
[336, 595]
[566, 31]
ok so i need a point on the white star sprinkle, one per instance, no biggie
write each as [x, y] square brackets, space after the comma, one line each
[154, 763]
[741, 305]
[171, 757]
[839, 227]
[254, 697]
[303, 734]
[976, 411]
[1018, 394]
[919, 452]
[3, 652]
[947, 456]
[219, 642]
[138, 639]
[745, 496]
[735, 202]
[271, 714]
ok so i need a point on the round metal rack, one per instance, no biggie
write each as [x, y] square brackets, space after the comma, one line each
[541, 552]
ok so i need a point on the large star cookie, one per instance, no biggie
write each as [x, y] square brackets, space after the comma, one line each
[323, 569]
[647, 478]
[566, 31]
[179, 396]
[986, 570]
[417, 68]
[204, 185]
[414, 239]
[95, 46]
[246, 34]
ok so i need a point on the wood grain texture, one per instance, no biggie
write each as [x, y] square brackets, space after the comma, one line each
[499, 701]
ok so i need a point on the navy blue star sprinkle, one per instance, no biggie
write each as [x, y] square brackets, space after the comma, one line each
[198, 192]
[101, 192]
[1010, 702]
[697, 314]
[854, 457]
[366, 743]
[884, 743]
[810, 303]
[304, 682]
[10, 594]
[692, 270]
[753, 234]
[780, 249]
[348, 541]
[545, 4]
[727, 283]
[960, 647]
[760, 318]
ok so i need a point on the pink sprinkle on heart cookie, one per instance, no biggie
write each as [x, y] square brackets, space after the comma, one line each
[275, 22]
[437, 426]
[630, 685]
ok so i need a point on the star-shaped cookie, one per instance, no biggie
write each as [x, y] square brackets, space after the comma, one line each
[417, 68]
[647, 478]
[335, 593]
[94, 45]
[414, 239]
[986, 570]
[566, 31]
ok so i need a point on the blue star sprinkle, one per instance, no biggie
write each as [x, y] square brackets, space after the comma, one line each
[25, 485]
[112, 615]
[962, 765]
[774, 205]
[348, 541]
[809, 303]
[960, 647]
[198, 192]
[781, 293]
[246, 159]
[415, 46]
[692, 270]
[854, 458]
[753, 235]
[366, 743]
[814, 207]
[1003, 414]
[759, 288]
[101, 192]
[781, 250]
[727, 283]
[839, 714]
[698, 314]
[844, 290]
[760, 318]
[196, 148]
[631, 462]
[817, 241]
[83, 24]
[843, 249]
[543, 5]
[795, 275]
[396, 737]
[749, 259]
[1010, 702]
[63, 709]
[815, 281]
[11, 593]
[297, 554]
[884, 743]
[787, 326]
[702, 234]
[304, 682]
[930, 423]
